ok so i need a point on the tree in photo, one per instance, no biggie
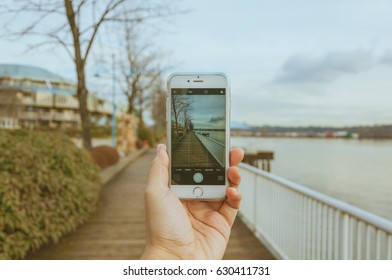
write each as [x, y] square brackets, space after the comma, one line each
[181, 108]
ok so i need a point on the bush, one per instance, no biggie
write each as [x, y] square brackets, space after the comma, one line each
[139, 144]
[48, 187]
[104, 156]
[75, 132]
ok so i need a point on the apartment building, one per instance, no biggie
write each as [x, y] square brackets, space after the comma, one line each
[34, 97]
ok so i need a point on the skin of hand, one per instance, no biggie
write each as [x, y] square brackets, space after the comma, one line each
[188, 229]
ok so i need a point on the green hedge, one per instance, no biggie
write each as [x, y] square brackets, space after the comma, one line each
[48, 187]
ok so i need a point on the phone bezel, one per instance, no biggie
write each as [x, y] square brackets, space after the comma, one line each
[210, 80]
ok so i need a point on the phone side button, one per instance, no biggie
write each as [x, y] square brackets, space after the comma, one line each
[198, 192]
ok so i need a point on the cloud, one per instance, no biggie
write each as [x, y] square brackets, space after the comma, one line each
[386, 58]
[216, 119]
[326, 69]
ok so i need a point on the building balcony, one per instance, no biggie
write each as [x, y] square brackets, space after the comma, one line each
[44, 99]
[47, 116]
[66, 101]
[65, 117]
[28, 115]
[27, 101]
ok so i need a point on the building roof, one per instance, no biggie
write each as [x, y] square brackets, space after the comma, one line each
[29, 72]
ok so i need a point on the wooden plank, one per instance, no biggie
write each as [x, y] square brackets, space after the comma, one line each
[190, 152]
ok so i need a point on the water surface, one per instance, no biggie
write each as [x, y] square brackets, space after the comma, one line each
[356, 171]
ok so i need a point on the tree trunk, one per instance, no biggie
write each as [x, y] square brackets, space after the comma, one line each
[173, 106]
[132, 96]
[141, 120]
[131, 103]
[80, 63]
[82, 94]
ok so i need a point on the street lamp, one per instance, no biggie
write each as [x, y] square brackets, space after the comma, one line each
[114, 118]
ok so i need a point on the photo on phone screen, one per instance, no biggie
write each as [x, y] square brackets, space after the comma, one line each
[198, 136]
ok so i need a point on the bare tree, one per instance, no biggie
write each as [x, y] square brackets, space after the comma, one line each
[140, 70]
[181, 106]
[187, 119]
[158, 107]
[75, 25]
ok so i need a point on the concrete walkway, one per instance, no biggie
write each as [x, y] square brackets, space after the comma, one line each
[116, 230]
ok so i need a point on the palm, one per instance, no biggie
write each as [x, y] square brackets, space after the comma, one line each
[197, 228]
[188, 229]
[209, 228]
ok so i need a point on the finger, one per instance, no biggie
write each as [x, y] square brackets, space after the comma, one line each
[158, 178]
[234, 176]
[234, 197]
[231, 205]
[236, 156]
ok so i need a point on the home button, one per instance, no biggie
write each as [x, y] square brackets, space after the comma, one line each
[198, 192]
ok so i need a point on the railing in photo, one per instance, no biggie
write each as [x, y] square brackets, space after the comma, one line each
[295, 222]
[216, 149]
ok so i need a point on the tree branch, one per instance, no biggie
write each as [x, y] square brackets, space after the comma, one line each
[107, 10]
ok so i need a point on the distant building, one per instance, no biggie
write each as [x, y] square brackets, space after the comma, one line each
[34, 97]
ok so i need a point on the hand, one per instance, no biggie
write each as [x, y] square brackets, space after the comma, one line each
[188, 229]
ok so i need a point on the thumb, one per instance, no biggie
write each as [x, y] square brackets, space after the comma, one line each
[158, 179]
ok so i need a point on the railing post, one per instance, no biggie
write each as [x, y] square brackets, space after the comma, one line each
[313, 213]
[378, 245]
[324, 231]
[345, 237]
[309, 229]
[336, 237]
[255, 203]
[330, 234]
[368, 242]
[359, 240]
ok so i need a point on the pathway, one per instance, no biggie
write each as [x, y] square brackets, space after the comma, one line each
[116, 230]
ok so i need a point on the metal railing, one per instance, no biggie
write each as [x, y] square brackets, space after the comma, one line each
[295, 222]
[216, 149]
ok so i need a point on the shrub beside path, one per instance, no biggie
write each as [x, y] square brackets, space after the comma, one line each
[116, 229]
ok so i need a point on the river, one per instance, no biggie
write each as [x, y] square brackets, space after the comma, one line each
[356, 171]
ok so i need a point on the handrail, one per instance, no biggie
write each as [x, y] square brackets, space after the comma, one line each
[211, 139]
[295, 222]
[368, 217]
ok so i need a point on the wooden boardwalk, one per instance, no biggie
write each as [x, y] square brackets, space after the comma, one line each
[116, 230]
[190, 152]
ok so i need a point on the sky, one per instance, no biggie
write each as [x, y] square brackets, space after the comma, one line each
[291, 63]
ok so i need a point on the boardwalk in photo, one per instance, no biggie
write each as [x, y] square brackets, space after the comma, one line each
[190, 152]
[116, 230]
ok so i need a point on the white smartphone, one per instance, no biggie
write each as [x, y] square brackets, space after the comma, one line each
[198, 134]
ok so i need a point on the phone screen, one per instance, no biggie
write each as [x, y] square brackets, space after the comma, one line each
[198, 136]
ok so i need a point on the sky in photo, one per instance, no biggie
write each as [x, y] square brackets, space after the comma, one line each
[208, 111]
[290, 62]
